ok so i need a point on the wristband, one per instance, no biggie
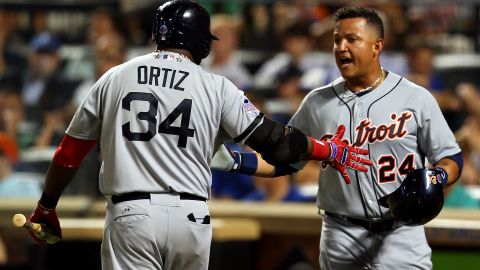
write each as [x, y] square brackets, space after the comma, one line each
[321, 150]
[248, 163]
[443, 179]
[48, 202]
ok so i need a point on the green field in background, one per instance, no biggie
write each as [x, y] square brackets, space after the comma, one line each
[457, 260]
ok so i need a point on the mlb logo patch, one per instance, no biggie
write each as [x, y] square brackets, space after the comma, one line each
[249, 108]
[168, 57]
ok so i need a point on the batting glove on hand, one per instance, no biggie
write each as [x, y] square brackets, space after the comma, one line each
[49, 221]
[341, 155]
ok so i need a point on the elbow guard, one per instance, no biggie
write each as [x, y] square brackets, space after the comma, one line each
[278, 145]
[72, 151]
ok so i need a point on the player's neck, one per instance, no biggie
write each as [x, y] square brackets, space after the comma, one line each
[359, 86]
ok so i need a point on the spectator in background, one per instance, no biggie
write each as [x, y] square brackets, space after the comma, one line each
[9, 148]
[470, 99]
[137, 29]
[288, 94]
[101, 22]
[258, 32]
[44, 87]
[12, 62]
[420, 64]
[297, 46]
[109, 50]
[46, 92]
[443, 25]
[16, 185]
[12, 115]
[223, 59]
[39, 22]
[460, 196]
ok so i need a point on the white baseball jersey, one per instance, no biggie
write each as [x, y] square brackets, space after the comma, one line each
[399, 122]
[157, 117]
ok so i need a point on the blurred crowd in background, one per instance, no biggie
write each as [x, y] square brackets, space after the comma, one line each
[51, 53]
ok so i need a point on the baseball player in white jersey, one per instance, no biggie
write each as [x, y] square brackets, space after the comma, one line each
[157, 118]
[400, 123]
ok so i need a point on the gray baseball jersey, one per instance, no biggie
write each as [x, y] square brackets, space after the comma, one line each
[157, 117]
[399, 122]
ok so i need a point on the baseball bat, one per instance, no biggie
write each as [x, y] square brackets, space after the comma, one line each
[19, 220]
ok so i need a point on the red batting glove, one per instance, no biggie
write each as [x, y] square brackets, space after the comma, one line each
[49, 220]
[340, 155]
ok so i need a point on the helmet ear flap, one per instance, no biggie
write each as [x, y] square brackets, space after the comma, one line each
[206, 47]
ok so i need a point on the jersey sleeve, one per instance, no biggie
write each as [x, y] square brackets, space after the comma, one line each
[436, 139]
[238, 113]
[86, 123]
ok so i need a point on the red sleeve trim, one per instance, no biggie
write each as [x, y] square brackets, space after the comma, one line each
[72, 151]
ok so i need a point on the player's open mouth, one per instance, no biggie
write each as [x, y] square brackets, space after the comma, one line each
[344, 61]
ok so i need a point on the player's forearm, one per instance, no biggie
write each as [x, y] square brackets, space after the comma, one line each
[452, 169]
[264, 169]
[250, 163]
[70, 153]
[281, 145]
[58, 177]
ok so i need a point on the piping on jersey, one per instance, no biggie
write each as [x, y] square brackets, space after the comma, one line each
[351, 136]
[368, 145]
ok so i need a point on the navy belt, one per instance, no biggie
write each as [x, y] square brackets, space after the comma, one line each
[371, 225]
[145, 195]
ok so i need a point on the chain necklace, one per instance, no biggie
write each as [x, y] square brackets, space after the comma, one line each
[368, 88]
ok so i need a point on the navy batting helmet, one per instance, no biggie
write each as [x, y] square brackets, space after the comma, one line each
[183, 24]
[418, 200]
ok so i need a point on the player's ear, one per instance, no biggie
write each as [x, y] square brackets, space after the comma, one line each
[378, 47]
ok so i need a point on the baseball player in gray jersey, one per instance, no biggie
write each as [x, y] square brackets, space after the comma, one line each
[158, 118]
[400, 124]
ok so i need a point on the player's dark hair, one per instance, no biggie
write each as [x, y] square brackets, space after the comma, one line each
[361, 12]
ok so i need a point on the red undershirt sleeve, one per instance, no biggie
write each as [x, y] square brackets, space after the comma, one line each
[72, 151]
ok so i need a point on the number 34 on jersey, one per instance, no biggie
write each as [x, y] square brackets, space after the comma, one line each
[183, 109]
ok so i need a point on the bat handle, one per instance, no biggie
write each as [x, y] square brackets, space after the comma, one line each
[36, 228]
[40, 231]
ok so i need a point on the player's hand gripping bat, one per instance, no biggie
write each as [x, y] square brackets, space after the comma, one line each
[39, 230]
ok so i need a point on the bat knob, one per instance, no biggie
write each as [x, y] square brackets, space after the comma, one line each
[19, 220]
